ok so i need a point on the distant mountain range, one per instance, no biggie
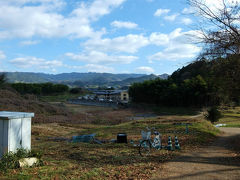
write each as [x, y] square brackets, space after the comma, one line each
[82, 79]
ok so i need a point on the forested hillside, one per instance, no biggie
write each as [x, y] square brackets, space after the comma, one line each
[201, 83]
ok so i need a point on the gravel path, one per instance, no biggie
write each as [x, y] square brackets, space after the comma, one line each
[217, 161]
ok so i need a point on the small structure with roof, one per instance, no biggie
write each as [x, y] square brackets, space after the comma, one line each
[15, 131]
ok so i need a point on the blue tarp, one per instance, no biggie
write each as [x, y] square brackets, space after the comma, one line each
[83, 138]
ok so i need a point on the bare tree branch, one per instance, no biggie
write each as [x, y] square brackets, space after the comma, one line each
[219, 27]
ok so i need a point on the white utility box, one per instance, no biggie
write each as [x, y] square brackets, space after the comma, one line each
[15, 131]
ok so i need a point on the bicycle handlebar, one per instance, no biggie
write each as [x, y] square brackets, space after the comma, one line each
[153, 128]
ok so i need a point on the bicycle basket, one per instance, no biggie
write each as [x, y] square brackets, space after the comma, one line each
[146, 135]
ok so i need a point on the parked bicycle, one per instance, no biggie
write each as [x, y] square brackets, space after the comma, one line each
[147, 142]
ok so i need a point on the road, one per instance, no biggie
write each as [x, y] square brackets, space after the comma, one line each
[218, 161]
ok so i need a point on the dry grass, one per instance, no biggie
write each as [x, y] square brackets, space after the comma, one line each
[86, 109]
[66, 160]
[61, 112]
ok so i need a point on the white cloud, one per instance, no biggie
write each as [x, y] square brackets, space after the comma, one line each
[56, 4]
[28, 43]
[33, 62]
[176, 52]
[124, 24]
[97, 9]
[96, 57]
[130, 43]
[160, 12]
[171, 17]
[43, 18]
[159, 39]
[98, 68]
[2, 55]
[91, 68]
[177, 47]
[177, 33]
[144, 69]
[186, 21]
[188, 10]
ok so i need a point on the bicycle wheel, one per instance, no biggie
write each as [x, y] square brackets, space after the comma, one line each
[145, 148]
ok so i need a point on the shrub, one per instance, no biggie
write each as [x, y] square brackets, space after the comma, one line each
[75, 90]
[11, 160]
[213, 114]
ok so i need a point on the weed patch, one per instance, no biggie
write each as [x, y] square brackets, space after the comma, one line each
[11, 160]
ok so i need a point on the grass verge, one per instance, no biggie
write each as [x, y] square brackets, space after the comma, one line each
[231, 117]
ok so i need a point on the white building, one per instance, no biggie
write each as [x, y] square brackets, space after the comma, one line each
[115, 95]
[15, 131]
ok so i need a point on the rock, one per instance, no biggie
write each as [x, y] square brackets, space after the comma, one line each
[28, 162]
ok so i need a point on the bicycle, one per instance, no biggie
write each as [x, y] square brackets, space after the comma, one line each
[147, 143]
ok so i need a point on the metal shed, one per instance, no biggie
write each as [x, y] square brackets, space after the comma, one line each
[15, 131]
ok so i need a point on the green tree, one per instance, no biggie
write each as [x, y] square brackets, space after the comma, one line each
[2, 79]
[213, 114]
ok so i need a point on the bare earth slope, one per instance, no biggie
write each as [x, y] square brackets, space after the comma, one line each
[218, 161]
[44, 112]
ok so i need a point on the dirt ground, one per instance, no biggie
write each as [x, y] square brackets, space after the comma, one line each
[220, 160]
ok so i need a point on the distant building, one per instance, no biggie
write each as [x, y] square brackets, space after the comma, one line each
[124, 96]
[113, 95]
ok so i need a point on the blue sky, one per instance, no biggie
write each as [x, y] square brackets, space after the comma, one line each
[115, 36]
